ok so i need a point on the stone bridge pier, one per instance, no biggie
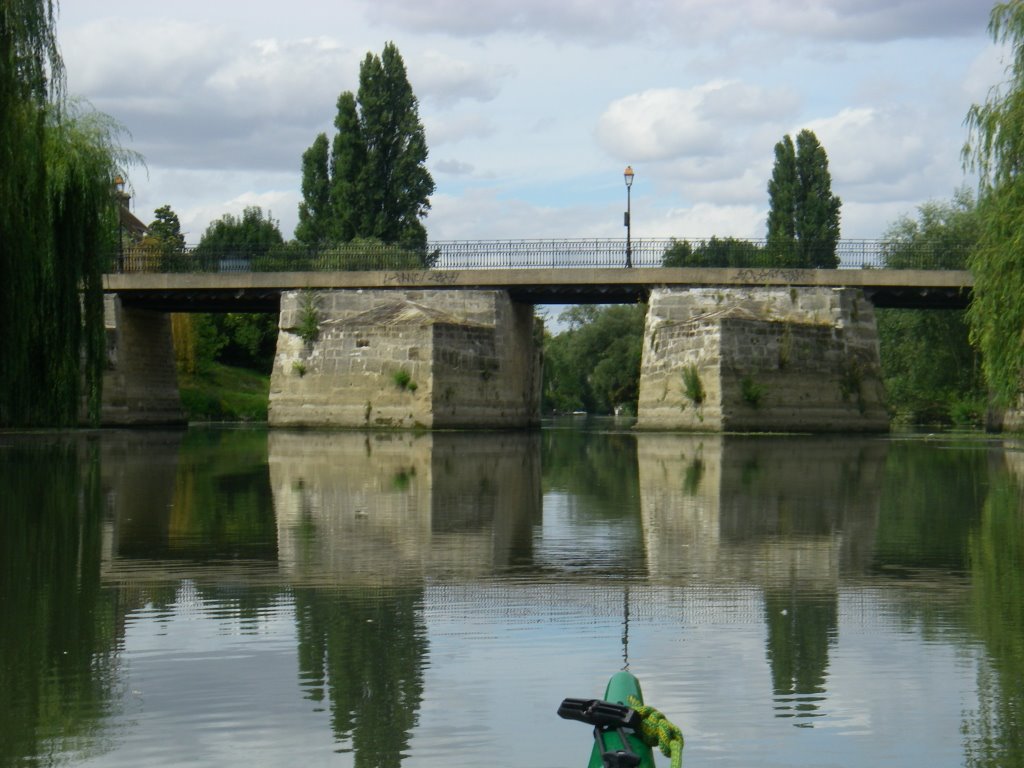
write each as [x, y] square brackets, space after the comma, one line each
[715, 359]
[431, 359]
[140, 382]
[774, 358]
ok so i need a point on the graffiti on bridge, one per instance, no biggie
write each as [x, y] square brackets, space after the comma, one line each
[770, 275]
[420, 276]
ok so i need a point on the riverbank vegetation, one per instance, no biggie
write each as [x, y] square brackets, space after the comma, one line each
[225, 393]
[58, 214]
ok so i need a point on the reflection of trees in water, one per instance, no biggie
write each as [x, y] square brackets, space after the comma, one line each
[364, 653]
[801, 628]
[994, 734]
[57, 646]
[199, 495]
[597, 466]
[223, 506]
[929, 503]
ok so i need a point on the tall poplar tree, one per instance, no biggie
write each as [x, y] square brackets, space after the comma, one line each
[803, 214]
[995, 149]
[315, 208]
[348, 172]
[56, 215]
[376, 178]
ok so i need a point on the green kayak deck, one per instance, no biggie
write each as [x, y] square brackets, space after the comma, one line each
[616, 742]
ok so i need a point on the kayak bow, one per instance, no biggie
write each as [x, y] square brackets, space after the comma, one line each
[618, 738]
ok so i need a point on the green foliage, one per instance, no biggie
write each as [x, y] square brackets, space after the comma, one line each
[996, 150]
[932, 375]
[225, 393]
[208, 339]
[929, 502]
[57, 218]
[715, 252]
[166, 228]
[237, 339]
[362, 253]
[60, 641]
[403, 380]
[941, 237]
[996, 550]
[164, 246]
[243, 236]
[251, 339]
[851, 379]
[693, 387]
[309, 317]
[600, 468]
[752, 392]
[595, 365]
[374, 184]
[315, 209]
[803, 215]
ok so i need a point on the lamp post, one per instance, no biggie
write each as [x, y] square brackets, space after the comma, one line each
[119, 190]
[628, 176]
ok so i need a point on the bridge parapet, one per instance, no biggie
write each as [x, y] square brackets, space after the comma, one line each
[577, 253]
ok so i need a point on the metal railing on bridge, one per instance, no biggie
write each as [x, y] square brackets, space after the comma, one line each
[542, 254]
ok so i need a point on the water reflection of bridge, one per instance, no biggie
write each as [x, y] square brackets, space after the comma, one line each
[381, 508]
[458, 504]
[707, 530]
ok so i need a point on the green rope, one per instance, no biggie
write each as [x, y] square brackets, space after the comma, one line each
[659, 732]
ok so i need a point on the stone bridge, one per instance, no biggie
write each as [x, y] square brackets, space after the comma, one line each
[725, 349]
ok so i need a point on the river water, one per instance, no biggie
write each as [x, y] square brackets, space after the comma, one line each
[240, 597]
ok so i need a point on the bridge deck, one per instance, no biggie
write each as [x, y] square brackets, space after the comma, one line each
[261, 291]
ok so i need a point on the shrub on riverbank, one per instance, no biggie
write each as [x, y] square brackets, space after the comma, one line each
[225, 393]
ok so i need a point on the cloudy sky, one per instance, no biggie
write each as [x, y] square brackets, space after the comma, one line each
[533, 108]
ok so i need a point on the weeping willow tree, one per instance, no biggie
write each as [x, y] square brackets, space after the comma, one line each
[996, 150]
[57, 215]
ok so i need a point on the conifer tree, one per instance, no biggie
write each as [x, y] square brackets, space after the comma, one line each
[379, 186]
[166, 228]
[348, 171]
[803, 214]
[782, 189]
[315, 208]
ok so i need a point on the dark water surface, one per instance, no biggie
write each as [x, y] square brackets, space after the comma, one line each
[253, 598]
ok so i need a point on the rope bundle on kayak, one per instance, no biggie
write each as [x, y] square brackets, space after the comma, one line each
[657, 731]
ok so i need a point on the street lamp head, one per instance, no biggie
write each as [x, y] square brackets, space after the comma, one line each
[628, 176]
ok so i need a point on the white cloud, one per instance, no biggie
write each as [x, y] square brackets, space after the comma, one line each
[532, 108]
[698, 20]
[884, 155]
[660, 124]
[704, 121]
[115, 57]
[706, 220]
[283, 79]
[454, 167]
[451, 129]
[446, 80]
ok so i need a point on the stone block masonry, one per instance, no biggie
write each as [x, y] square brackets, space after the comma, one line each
[140, 383]
[762, 359]
[430, 359]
